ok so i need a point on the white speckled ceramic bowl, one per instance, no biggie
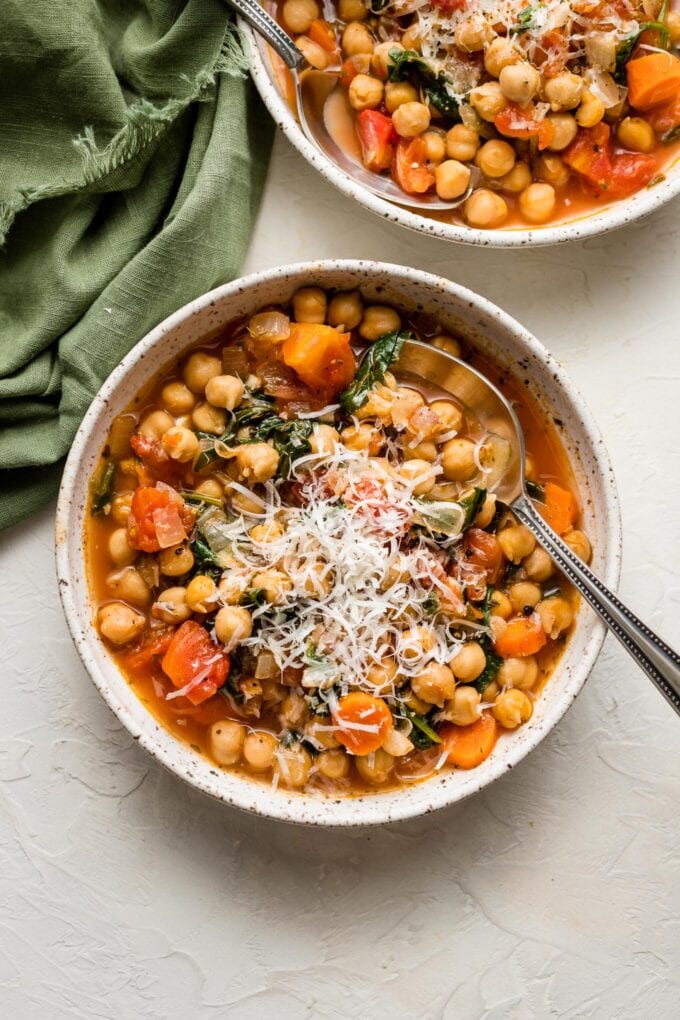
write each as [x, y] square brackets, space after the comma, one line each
[607, 218]
[459, 310]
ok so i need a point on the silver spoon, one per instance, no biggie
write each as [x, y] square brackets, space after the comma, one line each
[312, 89]
[443, 371]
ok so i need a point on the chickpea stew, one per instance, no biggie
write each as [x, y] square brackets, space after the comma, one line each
[522, 113]
[300, 565]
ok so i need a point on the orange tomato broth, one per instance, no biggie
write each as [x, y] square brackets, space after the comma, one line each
[188, 723]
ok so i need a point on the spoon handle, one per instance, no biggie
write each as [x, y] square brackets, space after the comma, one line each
[660, 663]
[264, 24]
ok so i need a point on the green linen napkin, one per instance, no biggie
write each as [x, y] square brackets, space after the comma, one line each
[132, 156]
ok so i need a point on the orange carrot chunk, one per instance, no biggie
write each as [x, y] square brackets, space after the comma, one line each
[524, 635]
[469, 746]
[653, 79]
[320, 356]
[560, 510]
[363, 722]
[323, 35]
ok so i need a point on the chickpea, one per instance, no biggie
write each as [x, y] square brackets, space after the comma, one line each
[232, 588]
[380, 59]
[259, 748]
[449, 414]
[637, 134]
[274, 584]
[435, 145]
[293, 765]
[324, 439]
[516, 542]
[346, 310]
[519, 82]
[414, 703]
[564, 130]
[462, 143]
[426, 451]
[415, 642]
[411, 119]
[499, 54]
[463, 708]
[313, 53]
[517, 180]
[120, 507]
[207, 418]
[309, 303]
[257, 462]
[600, 47]
[473, 34]
[487, 512]
[399, 92]
[233, 624]
[469, 662]
[591, 109]
[129, 585]
[519, 673]
[171, 606]
[120, 624]
[452, 179]
[501, 605]
[382, 674]
[523, 594]
[177, 398]
[224, 391]
[243, 504]
[551, 169]
[397, 744]
[201, 594]
[512, 708]
[269, 532]
[419, 474]
[333, 764]
[579, 543]
[210, 487]
[556, 615]
[155, 424]
[365, 92]
[225, 739]
[434, 684]
[411, 39]
[563, 92]
[538, 565]
[363, 437]
[176, 560]
[377, 321]
[495, 158]
[375, 768]
[120, 550]
[537, 202]
[299, 14]
[485, 209]
[180, 444]
[673, 26]
[357, 39]
[198, 369]
[352, 10]
[488, 100]
[458, 459]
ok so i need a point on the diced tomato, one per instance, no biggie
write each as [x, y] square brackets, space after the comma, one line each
[323, 35]
[524, 635]
[376, 137]
[482, 550]
[147, 501]
[169, 528]
[618, 174]
[192, 660]
[349, 70]
[665, 117]
[631, 171]
[521, 122]
[151, 647]
[449, 6]
[159, 467]
[321, 356]
[409, 166]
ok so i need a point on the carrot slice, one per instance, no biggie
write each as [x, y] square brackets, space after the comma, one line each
[524, 635]
[321, 357]
[356, 711]
[560, 508]
[653, 79]
[469, 746]
[323, 35]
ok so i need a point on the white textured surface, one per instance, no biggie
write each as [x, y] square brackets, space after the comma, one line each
[554, 893]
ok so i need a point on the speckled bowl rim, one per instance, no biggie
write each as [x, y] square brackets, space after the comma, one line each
[612, 217]
[228, 787]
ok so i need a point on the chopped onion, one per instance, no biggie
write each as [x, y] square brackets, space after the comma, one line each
[234, 361]
[266, 666]
[272, 326]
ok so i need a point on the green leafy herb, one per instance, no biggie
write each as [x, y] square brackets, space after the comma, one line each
[438, 516]
[205, 561]
[377, 6]
[431, 604]
[407, 65]
[102, 490]
[258, 407]
[422, 735]
[197, 497]
[493, 664]
[672, 136]
[625, 50]
[525, 19]
[254, 597]
[536, 491]
[290, 438]
[383, 353]
[472, 504]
